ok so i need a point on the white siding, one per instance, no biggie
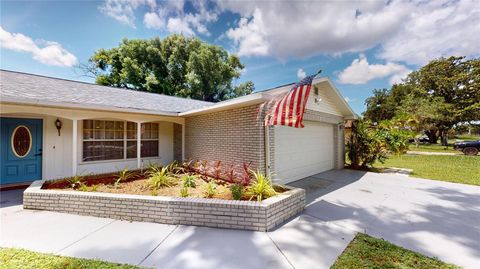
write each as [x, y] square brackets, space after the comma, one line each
[57, 150]
[302, 152]
[325, 101]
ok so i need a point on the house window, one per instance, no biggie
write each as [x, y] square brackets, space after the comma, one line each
[149, 139]
[103, 140]
[113, 140]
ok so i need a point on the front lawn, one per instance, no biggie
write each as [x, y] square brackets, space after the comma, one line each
[11, 258]
[367, 252]
[458, 169]
[433, 148]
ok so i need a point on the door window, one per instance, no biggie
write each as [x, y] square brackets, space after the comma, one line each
[21, 141]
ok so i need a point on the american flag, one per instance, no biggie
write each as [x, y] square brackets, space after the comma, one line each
[287, 109]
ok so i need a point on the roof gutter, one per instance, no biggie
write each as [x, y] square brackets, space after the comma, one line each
[36, 102]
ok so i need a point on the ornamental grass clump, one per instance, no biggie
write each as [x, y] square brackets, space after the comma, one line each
[210, 189]
[189, 181]
[237, 191]
[76, 181]
[260, 187]
[184, 191]
[123, 176]
[160, 178]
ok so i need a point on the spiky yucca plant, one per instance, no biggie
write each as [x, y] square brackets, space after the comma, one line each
[260, 187]
[160, 178]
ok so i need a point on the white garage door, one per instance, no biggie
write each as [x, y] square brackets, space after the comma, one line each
[302, 152]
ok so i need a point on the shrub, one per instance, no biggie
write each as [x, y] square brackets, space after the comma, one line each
[175, 168]
[367, 145]
[93, 188]
[210, 189]
[216, 170]
[237, 191]
[123, 176]
[184, 191]
[246, 175]
[261, 186]
[83, 187]
[76, 181]
[160, 178]
[189, 181]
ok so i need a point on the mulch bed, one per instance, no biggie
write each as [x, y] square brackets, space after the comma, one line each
[138, 184]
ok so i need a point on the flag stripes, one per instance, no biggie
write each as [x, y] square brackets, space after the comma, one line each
[287, 109]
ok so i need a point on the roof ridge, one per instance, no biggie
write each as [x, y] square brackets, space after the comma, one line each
[94, 84]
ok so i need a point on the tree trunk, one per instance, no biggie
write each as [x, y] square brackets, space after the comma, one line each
[432, 136]
[444, 137]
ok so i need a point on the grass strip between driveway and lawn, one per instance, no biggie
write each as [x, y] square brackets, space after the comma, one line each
[12, 258]
[368, 252]
[457, 169]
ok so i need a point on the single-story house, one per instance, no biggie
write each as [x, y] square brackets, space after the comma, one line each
[54, 128]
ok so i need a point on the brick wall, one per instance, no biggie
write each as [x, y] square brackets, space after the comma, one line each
[232, 136]
[245, 215]
[177, 142]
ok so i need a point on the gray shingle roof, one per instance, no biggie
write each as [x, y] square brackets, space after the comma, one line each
[29, 87]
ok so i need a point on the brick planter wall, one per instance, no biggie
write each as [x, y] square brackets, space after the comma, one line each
[245, 215]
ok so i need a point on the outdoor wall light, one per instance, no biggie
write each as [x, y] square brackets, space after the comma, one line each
[58, 124]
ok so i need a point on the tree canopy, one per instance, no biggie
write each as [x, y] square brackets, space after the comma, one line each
[177, 65]
[439, 95]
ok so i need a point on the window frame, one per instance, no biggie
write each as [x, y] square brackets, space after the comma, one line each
[125, 139]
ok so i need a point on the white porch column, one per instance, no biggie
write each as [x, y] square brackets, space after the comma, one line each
[183, 142]
[74, 146]
[139, 145]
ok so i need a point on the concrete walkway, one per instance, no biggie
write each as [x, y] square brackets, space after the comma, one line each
[435, 218]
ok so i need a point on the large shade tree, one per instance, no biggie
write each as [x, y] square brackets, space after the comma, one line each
[441, 94]
[177, 65]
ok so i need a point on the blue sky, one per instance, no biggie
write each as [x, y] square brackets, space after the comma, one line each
[360, 45]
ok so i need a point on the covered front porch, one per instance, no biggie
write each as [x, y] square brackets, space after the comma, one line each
[41, 142]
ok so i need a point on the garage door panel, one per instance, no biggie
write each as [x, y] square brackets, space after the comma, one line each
[303, 152]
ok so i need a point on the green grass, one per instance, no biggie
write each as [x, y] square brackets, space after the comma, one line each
[468, 138]
[432, 148]
[458, 169]
[367, 252]
[11, 258]
[439, 148]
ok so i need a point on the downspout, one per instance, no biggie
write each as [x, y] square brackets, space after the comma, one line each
[267, 148]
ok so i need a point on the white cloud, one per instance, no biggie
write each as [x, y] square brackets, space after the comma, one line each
[301, 73]
[168, 15]
[435, 29]
[154, 20]
[177, 25]
[320, 27]
[49, 53]
[123, 10]
[413, 32]
[249, 36]
[361, 72]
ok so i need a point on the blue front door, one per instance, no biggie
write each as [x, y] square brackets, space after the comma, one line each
[20, 150]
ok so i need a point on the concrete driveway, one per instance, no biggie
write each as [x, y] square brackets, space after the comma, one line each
[432, 217]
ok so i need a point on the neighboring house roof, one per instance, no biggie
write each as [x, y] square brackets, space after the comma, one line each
[25, 88]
